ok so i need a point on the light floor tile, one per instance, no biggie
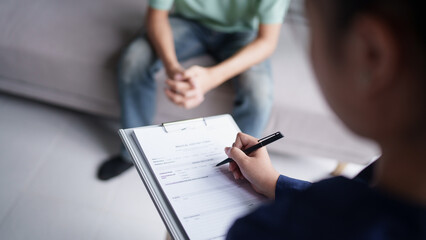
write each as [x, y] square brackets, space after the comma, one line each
[132, 213]
[28, 133]
[40, 217]
[117, 226]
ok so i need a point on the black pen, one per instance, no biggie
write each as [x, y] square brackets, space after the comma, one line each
[262, 142]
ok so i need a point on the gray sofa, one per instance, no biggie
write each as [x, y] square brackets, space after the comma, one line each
[64, 52]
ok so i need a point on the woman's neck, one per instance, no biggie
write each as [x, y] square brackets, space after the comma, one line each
[402, 171]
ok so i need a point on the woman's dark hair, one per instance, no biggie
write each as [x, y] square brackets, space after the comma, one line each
[405, 17]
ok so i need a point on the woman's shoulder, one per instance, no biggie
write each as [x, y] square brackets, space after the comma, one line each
[336, 208]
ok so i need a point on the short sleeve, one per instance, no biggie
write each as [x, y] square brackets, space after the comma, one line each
[161, 4]
[272, 11]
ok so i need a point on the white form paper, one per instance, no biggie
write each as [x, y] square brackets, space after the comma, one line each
[205, 198]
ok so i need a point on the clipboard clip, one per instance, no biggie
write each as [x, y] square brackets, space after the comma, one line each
[184, 125]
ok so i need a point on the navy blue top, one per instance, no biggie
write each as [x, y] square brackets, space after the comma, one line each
[336, 208]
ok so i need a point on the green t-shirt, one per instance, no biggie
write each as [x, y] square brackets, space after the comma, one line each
[228, 15]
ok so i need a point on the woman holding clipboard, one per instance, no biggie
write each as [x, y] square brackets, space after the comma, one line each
[369, 57]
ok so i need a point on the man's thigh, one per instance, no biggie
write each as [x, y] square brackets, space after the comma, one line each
[229, 44]
[186, 36]
[255, 83]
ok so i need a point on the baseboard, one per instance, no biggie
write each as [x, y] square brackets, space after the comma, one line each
[59, 98]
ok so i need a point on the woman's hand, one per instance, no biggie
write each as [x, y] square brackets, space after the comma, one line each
[256, 167]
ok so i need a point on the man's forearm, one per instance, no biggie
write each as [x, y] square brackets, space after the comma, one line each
[161, 36]
[255, 52]
[252, 54]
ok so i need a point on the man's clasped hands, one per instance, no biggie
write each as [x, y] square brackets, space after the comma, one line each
[187, 87]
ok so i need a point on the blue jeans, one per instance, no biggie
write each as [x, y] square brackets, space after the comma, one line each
[139, 63]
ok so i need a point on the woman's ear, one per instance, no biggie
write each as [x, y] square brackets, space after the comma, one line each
[377, 52]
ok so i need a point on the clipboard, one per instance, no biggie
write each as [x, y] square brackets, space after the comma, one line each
[153, 186]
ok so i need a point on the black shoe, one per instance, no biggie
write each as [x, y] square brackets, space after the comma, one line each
[113, 167]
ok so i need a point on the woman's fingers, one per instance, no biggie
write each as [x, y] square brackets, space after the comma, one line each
[236, 154]
[237, 174]
[232, 166]
[244, 141]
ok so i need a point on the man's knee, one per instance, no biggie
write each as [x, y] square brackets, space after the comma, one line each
[137, 59]
[261, 100]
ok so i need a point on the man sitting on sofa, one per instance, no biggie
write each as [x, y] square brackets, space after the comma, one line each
[239, 35]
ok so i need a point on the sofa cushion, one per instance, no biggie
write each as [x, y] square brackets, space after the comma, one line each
[67, 46]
